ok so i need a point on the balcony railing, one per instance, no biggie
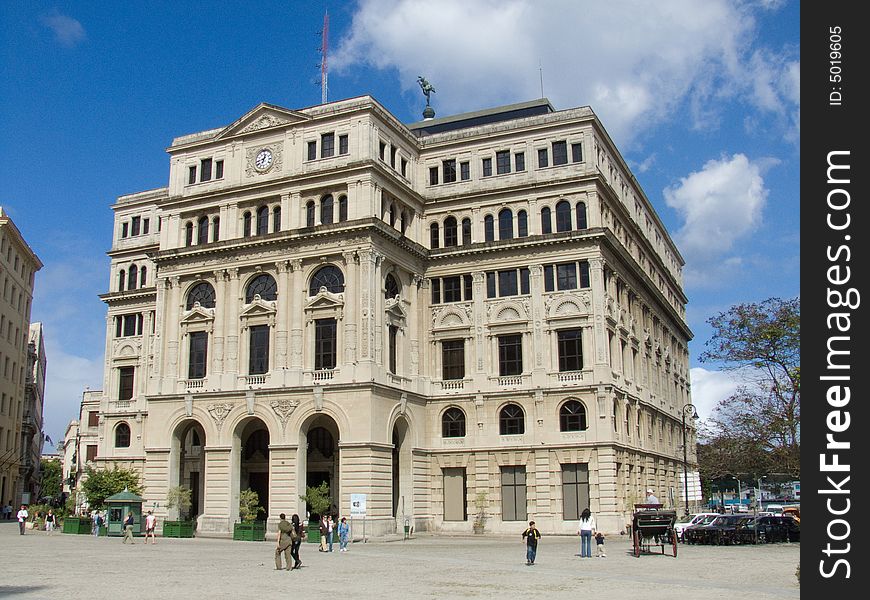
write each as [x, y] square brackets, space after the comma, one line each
[323, 374]
[255, 379]
[569, 376]
[452, 385]
[193, 384]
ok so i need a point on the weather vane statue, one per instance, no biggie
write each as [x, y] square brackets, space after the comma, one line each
[428, 112]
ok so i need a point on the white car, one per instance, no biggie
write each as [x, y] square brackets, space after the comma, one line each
[690, 520]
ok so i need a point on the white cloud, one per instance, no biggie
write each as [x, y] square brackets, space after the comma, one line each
[636, 63]
[67, 376]
[720, 204]
[709, 388]
[67, 31]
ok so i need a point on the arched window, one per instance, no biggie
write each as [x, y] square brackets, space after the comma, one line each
[546, 220]
[453, 423]
[309, 214]
[572, 416]
[246, 224]
[505, 224]
[511, 420]
[433, 235]
[466, 231]
[616, 416]
[392, 213]
[391, 287]
[263, 220]
[522, 224]
[143, 276]
[203, 293]
[326, 210]
[329, 277]
[563, 216]
[216, 229]
[488, 228]
[276, 219]
[403, 222]
[188, 234]
[342, 209]
[122, 436]
[451, 235]
[262, 285]
[581, 215]
[131, 277]
[202, 231]
[122, 280]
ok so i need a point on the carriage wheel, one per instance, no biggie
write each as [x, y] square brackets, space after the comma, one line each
[636, 543]
[674, 540]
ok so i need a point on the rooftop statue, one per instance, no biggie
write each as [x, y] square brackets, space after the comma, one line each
[426, 87]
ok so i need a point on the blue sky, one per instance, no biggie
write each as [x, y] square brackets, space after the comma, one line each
[702, 98]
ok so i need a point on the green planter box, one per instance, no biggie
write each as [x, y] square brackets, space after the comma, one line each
[250, 532]
[178, 529]
[76, 525]
[313, 532]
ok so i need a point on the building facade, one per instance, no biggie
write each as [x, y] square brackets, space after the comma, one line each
[474, 311]
[22, 375]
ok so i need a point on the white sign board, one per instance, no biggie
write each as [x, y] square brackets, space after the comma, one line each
[357, 505]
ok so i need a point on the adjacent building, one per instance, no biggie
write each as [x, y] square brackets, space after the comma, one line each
[480, 312]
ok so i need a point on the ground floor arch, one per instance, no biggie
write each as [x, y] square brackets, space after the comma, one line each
[187, 464]
[319, 458]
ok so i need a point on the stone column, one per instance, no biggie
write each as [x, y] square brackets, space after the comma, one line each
[174, 312]
[351, 298]
[283, 307]
[232, 325]
[297, 294]
[477, 325]
[220, 322]
[215, 519]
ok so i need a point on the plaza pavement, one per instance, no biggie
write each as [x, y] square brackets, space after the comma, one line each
[72, 567]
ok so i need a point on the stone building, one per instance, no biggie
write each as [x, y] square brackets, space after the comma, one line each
[484, 306]
[22, 374]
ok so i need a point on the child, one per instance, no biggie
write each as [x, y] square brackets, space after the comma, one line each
[531, 537]
[599, 544]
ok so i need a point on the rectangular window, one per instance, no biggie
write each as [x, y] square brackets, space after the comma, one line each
[502, 162]
[205, 169]
[513, 494]
[394, 332]
[125, 231]
[455, 502]
[325, 343]
[135, 225]
[453, 289]
[382, 150]
[510, 354]
[312, 150]
[145, 224]
[404, 168]
[191, 175]
[453, 359]
[93, 418]
[468, 282]
[570, 350]
[542, 158]
[490, 284]
[433, 175]
[566, 276]
[584, 274]
[449, 170]
[507, 283]
[218, 169]
[464, 171]
[520, 161]
[487, 167]
[576, 152]
[327, 145]
[90, 452]
[575, 490]
[198, 355]
[125, 383]
[436, 291]
[560, 153]
[258, 359]
[130, 324]
[343, 147]
[524, 280]
[393, 156]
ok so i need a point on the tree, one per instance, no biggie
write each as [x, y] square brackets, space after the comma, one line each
[180, 497]
[51, 482]
[760, 342]
[249, 506]
[317, 498]
[102, 483]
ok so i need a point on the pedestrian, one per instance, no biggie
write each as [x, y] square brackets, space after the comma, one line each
[343, 534]
[22, 519]
[330, 531]
[296, 540]
[599, 545]
[150, 526]
[651, 497]
[7, 512]
[50, 521]
[587, 530]
[128, 528]
[323, 529]
[285, 542]
[97, 518]
[531, 537]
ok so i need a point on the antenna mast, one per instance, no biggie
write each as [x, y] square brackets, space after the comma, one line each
[324, 67]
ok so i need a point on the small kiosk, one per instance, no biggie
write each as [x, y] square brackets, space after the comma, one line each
[118, 506]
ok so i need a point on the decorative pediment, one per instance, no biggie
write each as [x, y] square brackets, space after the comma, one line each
[259, 308]
[394, 310]
[325, 300]
[568, 305]
[508, 312]
[451, 317]
[198, 315]
[262, 117]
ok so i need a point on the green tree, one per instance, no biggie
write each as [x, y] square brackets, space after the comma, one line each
[249, 505]
[51, 482]
[180, 497]
[102, 483]
[761, 343]
[317, 498]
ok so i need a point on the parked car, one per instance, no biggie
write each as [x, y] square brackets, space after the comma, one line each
[772, 528]
[690, 520]
[694, 534]
[724, 530]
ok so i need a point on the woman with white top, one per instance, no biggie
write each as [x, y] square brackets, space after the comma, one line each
[587, 530]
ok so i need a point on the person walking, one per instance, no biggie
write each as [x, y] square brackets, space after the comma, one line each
[330, 532]
[285, 542]
[296, 533]
[323, 528]
[50, 521]
[343, 534]
[98, 522]
[531, 536]
[22, 519]
[128, 528]
[599, 545]
[150, 526]
[587, 530]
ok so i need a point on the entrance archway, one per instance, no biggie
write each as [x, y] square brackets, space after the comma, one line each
[187, 464]
[321, 462]
[402, 496]
[252, 437]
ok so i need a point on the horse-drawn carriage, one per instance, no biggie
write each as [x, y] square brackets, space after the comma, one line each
[652, 527]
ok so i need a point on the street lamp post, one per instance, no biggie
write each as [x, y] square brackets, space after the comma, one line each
[688, 409]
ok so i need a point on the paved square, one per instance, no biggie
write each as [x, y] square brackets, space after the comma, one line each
[81, 567]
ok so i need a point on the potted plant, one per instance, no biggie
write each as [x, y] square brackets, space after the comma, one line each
[318, 501]
[179, 498]
[480, 503]
[250, 529]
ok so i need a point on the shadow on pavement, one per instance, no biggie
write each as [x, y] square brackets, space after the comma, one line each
[6, 590]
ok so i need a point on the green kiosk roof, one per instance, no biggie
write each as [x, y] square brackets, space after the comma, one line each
[125, 497]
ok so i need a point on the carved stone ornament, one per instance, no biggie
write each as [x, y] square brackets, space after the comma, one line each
[277, 159]
[284, 407]
[264, 122]
[219, 412]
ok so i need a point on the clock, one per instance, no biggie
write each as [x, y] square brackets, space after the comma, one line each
[263, 160]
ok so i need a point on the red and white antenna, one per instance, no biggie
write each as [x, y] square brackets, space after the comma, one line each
[324, 67]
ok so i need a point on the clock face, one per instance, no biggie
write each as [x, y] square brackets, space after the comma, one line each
[263, 159]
